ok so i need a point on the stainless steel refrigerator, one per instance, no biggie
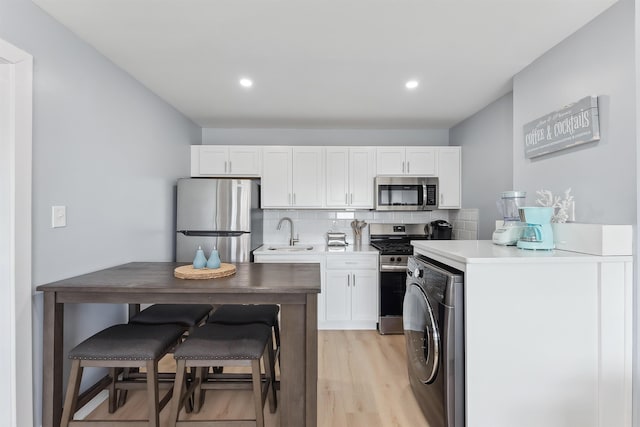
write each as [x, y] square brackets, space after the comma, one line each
[218, 212]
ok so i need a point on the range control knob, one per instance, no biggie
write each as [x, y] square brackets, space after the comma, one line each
[399, 259]
[417, 273]
[392, 259]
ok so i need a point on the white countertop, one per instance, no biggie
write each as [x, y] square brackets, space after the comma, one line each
[484, 251]
[318, 248]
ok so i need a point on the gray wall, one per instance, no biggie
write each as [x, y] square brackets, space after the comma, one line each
[599, 59]
[109, 150]
[486, 139]
[215, 136]
[636, 323]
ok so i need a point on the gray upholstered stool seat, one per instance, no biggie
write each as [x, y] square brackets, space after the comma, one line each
[238, 314]
[225, 342]
[128, 342]
[223, 345]
[129, 345]
[187, 315]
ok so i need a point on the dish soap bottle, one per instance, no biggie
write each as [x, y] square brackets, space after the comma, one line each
[199, 261]
[214, 259]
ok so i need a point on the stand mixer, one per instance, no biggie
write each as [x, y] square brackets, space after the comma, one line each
[537, 233]
[511, 230]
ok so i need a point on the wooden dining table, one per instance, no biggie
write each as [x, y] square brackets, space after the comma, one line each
[293, 286]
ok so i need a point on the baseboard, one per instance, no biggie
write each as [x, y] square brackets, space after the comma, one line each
[92, 405]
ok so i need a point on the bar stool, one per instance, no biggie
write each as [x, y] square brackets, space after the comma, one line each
[224, 345]
[240, 314]
[127, 345]
[186, 315]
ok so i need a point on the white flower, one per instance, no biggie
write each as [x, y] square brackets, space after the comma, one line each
[561, 206]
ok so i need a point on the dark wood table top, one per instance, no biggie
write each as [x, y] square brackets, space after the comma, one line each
[157, 277]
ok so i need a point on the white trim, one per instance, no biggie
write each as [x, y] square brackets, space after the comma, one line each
[20, 286]
[92, 405]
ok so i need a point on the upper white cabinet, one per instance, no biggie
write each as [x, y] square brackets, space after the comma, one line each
[332, 177]
[418, 161]
[449, 174]
[350, 172]
[292, 177]
[223, 160]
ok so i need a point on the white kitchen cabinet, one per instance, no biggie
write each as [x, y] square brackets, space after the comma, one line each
[351, 291]
[449, 177]
[292, 177]
[349, 173]
[410, 161]
[226, 160]
[264, 256]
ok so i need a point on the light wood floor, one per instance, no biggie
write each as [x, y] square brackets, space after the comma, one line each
[362, 382]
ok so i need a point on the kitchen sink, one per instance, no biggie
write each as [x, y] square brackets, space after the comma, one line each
[300, 248]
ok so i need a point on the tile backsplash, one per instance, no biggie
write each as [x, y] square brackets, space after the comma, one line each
[465, 224]
[312, 225]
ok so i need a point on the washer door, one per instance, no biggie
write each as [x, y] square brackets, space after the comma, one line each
[421, 334]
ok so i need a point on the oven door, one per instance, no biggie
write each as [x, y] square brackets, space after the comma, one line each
[392, 285]
[421, 334]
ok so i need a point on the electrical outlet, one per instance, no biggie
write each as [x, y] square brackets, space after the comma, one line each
[58, 216]
[345, 215]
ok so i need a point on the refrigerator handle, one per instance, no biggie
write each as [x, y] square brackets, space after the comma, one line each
[205, 233]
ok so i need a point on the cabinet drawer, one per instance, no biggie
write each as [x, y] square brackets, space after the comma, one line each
[351, 262]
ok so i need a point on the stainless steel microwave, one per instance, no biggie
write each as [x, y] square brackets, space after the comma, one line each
[399, 193]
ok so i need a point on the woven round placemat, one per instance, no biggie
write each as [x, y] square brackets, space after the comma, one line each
[188, 272]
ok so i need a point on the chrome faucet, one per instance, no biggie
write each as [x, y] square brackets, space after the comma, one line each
[292, 240]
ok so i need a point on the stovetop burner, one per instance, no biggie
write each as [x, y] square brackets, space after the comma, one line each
[395, 239]
[393, 248]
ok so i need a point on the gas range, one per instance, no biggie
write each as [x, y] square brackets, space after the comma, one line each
[394, 243]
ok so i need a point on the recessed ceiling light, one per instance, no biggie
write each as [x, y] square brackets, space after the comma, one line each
[244, 82]
[411, 84]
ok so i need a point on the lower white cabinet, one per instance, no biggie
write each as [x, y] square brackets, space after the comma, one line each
[351, 292]
[349, 286]
[548, 335]
[265, 256]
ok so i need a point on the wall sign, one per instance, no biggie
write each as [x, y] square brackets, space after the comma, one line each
[572, 125]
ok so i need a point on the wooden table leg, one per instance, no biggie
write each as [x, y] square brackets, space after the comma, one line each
[312, 361]
[293, 359]
[52, 337]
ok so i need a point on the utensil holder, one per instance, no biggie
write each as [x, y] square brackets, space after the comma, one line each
[357, 241]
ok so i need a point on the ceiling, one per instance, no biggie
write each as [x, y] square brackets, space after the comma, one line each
[325, 63]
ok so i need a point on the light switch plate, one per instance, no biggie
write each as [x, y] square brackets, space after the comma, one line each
[58, 216]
